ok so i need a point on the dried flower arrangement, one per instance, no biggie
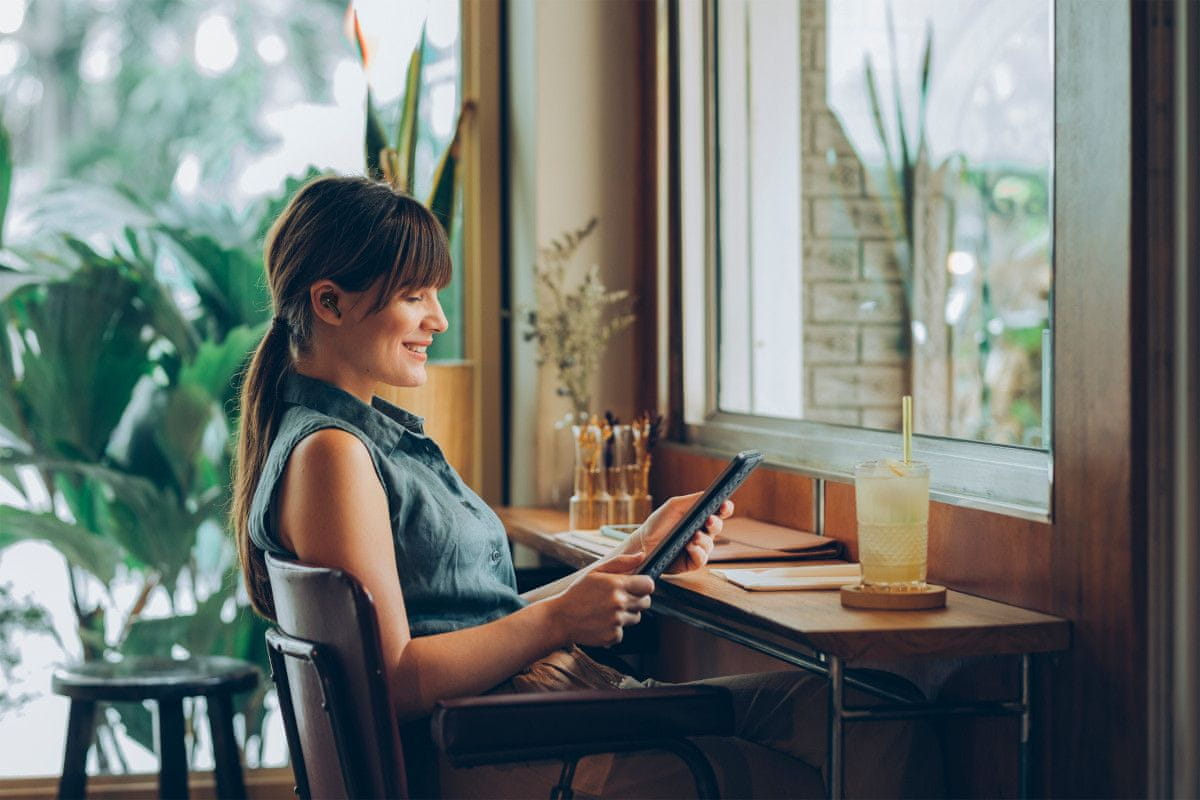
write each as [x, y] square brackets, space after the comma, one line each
[570, 325]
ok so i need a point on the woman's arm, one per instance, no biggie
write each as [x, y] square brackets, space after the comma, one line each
[333, 512]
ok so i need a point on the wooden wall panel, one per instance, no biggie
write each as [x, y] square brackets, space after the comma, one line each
[446, 401]
[1097, 547]
[776, 496]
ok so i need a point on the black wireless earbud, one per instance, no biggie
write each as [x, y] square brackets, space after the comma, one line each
[329, 300]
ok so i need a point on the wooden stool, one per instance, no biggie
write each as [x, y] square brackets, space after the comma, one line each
[167, 682]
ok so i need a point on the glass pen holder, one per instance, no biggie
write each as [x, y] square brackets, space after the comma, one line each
[633, 457]
[621, 464]
[591, 504]
[640, 502]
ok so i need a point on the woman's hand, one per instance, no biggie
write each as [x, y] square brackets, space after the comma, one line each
[602, 602]
[665, 517]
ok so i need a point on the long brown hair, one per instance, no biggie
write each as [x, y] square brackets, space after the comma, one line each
[359, 234]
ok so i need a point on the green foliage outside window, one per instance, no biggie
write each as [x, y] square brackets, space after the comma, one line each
[129, 311]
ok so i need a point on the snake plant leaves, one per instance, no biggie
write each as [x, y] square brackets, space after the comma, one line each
[81, 547]
[376, 141]
[410, 112]
[6, 174]
[442, 198]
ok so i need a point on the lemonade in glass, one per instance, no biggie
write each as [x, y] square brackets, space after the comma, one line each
[892, 500]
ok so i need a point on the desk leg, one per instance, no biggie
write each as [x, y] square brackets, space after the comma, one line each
[837, 704]
[1026, 725]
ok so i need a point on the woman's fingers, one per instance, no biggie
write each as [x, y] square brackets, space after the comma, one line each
[638, 603]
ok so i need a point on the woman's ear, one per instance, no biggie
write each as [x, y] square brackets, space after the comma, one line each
[325, 298]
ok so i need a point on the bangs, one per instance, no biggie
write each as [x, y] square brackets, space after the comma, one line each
[421, 252]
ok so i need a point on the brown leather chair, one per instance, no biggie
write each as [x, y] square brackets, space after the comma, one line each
[343, 735]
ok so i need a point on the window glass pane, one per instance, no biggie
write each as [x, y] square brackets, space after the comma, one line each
[883, 212]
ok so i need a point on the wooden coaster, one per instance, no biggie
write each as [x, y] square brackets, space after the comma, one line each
[932, 596]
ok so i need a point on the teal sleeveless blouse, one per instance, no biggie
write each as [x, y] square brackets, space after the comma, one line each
[451, 549]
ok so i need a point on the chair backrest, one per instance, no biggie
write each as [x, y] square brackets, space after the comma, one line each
[328, 668]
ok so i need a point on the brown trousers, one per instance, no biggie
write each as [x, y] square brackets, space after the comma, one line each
[779, 748]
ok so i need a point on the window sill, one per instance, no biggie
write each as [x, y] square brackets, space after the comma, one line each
[1013, 481]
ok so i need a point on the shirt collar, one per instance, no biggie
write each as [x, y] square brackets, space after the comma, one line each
[384, 422]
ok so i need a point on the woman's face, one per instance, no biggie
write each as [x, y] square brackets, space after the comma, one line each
[389, 346]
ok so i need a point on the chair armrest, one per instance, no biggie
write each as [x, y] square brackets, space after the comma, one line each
[508, 727]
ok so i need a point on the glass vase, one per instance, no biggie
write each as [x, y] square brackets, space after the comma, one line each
[591, 504]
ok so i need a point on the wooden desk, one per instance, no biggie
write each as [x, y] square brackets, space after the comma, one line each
[813, 631]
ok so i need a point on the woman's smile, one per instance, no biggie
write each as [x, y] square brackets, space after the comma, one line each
[418, 350]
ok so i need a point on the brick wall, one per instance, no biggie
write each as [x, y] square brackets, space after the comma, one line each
[854, 315]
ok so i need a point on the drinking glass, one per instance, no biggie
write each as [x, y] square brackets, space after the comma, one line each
[892, 502]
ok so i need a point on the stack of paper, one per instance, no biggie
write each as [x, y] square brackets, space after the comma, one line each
[776, 579]
[592, 541]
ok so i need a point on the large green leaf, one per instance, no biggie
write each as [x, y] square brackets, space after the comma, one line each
[161, 534]
[149, 526]
[152, 526]
[12, 279]
[166, 434]
[217, 364]
[87, 210]
[187, 413]
[138, 722]
[196, 632]
[230, 281]
[81, 547]
[83, 349]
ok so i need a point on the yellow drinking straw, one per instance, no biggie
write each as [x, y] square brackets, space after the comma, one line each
[906, 413]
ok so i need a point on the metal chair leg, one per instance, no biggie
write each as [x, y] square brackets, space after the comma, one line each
[701, 769]
[563, 790]
[837, 704]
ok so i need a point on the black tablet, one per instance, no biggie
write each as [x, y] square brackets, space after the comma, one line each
[673, 543]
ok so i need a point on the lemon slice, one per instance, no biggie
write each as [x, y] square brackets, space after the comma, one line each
[896, 467]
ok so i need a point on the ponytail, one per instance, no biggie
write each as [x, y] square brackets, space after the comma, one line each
[360, 234]
[260, 411]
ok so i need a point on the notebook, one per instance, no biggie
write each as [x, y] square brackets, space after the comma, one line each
[805, 577]
[745, 539]
[742, 539]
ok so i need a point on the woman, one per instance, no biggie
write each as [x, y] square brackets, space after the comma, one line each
[331, 475]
